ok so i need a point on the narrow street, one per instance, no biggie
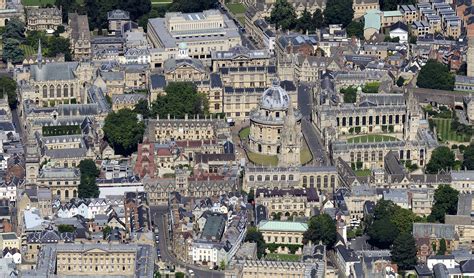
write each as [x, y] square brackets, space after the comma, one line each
[160, 220]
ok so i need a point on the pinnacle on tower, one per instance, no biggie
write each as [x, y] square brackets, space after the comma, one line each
[40, 55]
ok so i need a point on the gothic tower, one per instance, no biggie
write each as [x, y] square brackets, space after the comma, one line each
[291, 140]
[32, 160]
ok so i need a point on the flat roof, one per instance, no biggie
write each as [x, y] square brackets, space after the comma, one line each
[285, 226]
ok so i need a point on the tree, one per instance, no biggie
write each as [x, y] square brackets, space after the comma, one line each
[355, 29]
[382, 233]
[304, 23]
[59, 30]
[403, 219]
[404, 251]
[181, 98]
[317, 20]
[8, 86]
[14, 29]
[222, 265]
[253, 235]
[187, 6]
[136, 8]
[442, 158]
[106, 231]
[400, 81]
[442, 247]
[64, 228]
[88, 186]
[338, 12]
[179, 275]
[468, 155]
[435, 75]
[445, 202]
[123, 131]
[156, 11]
[68, 6]
[142, 108]
[12, 51]
[283, 15]
[350, 94]
[321, 228]
[59, 45]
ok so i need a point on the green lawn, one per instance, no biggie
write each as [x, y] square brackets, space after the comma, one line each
[160, 2]
[244, 133]
[363, 172]
[283, 257]
[371, 138]
[28, 50]
[305, 155]
[443, 128]
[37, 2]
[236, 8]
[261, 159]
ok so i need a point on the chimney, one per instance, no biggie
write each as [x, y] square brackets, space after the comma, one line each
[169, 117]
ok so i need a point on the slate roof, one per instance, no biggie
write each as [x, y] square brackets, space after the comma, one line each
[399, 25]
[54, 71]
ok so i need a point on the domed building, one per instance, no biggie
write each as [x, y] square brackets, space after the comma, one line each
[275, 127]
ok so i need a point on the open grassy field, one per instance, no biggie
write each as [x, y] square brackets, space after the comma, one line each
[236, 8]
[28, 50]
[37, 2]
[305, 155]
[283, 257]
[160, 2]
[244, 133]
[363, 172]
[443, 128]
[261, 159]
[371, 138]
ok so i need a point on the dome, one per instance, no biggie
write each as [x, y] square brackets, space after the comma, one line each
[275, 97]
[182, 45]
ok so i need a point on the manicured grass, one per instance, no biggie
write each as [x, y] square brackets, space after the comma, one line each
[283, 257]
[28, 50]
[236, 8]
[241, 19]
[305, 155]
[37, 2]
[244, 133]
[160, 2]
[443, 128]
[371, 138]
[363, 173]
[261, 159]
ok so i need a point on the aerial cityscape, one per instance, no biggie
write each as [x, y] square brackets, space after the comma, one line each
[237, 138]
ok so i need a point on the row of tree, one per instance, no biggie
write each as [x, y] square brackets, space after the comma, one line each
[284, 16]
[443, 159]
[435, 75]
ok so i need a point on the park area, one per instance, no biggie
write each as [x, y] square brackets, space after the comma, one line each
[372, 138]
[37, 2]
[443, 128]
[283, 257]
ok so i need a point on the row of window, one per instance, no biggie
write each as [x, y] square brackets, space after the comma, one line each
[351, 121]
[56, 91]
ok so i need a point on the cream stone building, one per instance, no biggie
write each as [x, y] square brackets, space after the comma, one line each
[43, 19]
[275, 127]
[264, 269]
[63, 182]
[202, 32]
[360, 7]
[282, 232]
[126, 101]
[288, 202]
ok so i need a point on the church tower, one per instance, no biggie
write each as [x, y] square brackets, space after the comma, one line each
[32, 160]
[291, 140]
[470, 57]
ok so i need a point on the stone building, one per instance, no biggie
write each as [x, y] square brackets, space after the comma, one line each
[395, 117]
[275, 128]
[80, 36]
[117, 19]
[126, 101]
[202, 32]
[288, 202]
[43, 19]
[282, 232]
[360, 7]
[63, 182]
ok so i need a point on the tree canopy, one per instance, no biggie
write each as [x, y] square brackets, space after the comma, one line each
[187, 6]
[355, 29]
[181, 98]
[142, 108]
[283, 15]
[253, 235]
[442, 158]
[8, 86]
[12, 51]
[321, 228]
[468, 155]
[338, 12]
[445, 202]
[435, 75]
[123, 131]
[88, 186]
[14, 29]
[404, 251]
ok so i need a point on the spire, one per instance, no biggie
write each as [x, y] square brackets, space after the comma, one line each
[40, 56]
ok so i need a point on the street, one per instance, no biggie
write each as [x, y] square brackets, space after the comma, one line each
[310, 134]
[166, 254]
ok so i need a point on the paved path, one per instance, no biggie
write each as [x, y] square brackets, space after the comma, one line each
[160, 215]
[310, 134]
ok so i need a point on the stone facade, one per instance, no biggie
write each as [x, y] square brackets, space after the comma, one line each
[80, 36]
[62, 182]
[41, 19]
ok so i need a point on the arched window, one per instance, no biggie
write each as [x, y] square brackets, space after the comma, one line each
[74, 193]
[259, 178]
[58, 192]
[290, 177]
[283, 178]
[275, 177]
[37, 89]
[325, 181]
[65, 90]
[45, 91]
[66, 193]
[72, 90]
[267, 177]
[311, 181]
[58, 91]
[51, 91]
[305, 181]
[251, 178]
